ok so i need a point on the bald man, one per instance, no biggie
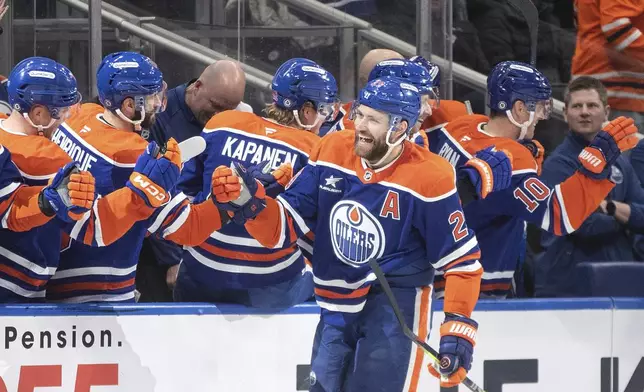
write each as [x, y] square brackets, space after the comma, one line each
[220, 87]
[368, 62]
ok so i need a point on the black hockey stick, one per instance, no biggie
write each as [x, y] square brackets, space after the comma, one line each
[531, 16]
[433, 354]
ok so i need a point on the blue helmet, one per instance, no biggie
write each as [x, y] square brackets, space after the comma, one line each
[124, 75]
[433, 69]
[411, 72]
[394, 96]
[300, 80]
[42, 81]
[512, 81]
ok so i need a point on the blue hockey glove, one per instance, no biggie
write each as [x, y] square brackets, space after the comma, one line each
[275, 181]
[155, 172]
[490, 170]
[616, 137]
[458, 338]
[236, 191]
[69, 195]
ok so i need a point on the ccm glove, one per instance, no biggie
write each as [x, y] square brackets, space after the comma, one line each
[69, 195]
[616, 137]
[458, 338]
[156, 171]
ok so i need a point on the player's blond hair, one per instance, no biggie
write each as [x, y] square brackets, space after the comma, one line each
[283, 116]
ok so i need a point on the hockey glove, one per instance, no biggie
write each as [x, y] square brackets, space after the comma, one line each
[237, 192]
[490, 170]
[274, 182]
[155, 172]
[616, 137]
[537, 151]
[458, 338]
[69, 194]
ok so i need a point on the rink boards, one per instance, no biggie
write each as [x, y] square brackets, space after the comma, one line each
[523, 346]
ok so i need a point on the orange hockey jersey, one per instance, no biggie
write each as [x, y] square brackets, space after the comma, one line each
[610, 47]
[28, 260]
[89, 274]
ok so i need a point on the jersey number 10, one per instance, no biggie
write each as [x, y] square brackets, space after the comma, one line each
[536, 191]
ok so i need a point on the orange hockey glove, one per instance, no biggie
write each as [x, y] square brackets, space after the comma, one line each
[69, 194]
[616, 137]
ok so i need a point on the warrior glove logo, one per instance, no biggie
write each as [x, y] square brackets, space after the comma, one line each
[356, 234]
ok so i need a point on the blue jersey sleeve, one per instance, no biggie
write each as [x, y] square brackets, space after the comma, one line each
[451, 246]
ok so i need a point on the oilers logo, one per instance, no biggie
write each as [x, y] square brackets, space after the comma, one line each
[356, 234]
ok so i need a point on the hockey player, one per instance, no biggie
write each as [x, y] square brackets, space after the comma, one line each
[230, 266]
[372, 194]
[41, 91]
[106, 140]
[448, 109]
[520, 96]
[341, 119]
[423, 79]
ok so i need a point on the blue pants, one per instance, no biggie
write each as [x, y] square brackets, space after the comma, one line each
[275, 297]
[372, 353]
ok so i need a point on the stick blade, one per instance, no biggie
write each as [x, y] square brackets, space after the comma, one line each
[531, 16]
[192, 147]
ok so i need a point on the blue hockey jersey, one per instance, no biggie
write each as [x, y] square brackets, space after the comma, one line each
[413, 225]
[499, 220]
[230, 258]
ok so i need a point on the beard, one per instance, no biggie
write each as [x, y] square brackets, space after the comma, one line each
[371, 149]
[148, 121]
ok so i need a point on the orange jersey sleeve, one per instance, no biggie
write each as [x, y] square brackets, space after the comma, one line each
[19, 210]
[446, 112]
[622, 22]
[560, 209]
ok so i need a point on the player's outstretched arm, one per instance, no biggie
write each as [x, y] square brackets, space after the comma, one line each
[283, 220]
[563, 208]
[452, 247]
[155, 172]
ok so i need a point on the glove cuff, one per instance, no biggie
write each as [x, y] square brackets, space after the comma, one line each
[460, 327]
[44, 205]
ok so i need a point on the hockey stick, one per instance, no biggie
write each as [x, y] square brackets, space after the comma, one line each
[192, 147]
[531, 16]
[189, 148]
[433, 354]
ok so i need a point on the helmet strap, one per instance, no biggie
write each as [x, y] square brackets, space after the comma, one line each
[390, 145]
[524, 127]
[136, 123]
[40, 128]
[318, 119]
